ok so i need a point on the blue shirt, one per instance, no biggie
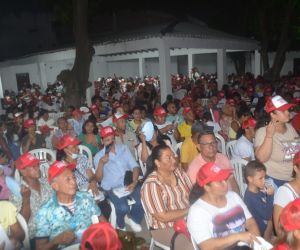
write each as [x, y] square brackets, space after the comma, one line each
[116, 166]
[52, 219]
[77, 125]
[260, 206]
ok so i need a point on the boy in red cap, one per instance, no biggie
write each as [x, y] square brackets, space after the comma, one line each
[117, 169]
[31, 140]
[35, 191]
[166, 128]
[63, 218]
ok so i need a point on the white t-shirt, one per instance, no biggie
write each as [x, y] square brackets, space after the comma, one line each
[215, 125]
[243, 149]
[285, 195]
[169, 134]
[41, 122]
[206, 221]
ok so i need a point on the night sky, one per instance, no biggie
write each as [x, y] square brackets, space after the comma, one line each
[39, 25]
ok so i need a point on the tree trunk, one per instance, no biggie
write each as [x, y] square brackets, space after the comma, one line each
[76, 80]
[283, 42]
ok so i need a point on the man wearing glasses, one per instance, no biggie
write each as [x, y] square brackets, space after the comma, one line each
[207, 146]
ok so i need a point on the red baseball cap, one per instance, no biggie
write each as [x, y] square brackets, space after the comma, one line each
[77, 112]
[159, 111]
[119, 115]
[93, 107]
[230, 101]
[296, 158]
[250, 89]
[26, 160]
[290, 216]
[28, 123]
[210, 172]
[249, 123]
[106, 131]
[186, 99]
[186, 110]
[45, 129]
[66, 141]
[221, 94]
[277, 103]
[100, 236]
[57, 168]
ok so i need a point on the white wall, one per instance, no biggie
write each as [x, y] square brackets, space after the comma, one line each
[127, 68]
[52, 69]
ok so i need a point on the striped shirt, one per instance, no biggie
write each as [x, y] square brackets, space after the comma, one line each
[158, 197]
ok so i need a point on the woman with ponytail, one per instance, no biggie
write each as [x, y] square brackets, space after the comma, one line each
[165, 196]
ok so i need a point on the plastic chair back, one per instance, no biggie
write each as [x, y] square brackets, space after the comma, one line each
[238, 167]
[86, 151]
[229, 148]
[221, 140]
[24, 226]
[46, 157]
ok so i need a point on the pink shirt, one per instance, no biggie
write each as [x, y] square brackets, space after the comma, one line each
[221, 161]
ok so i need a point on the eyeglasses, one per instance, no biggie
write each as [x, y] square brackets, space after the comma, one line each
[213, 143]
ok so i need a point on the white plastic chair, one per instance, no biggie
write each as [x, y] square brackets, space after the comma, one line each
[86, 151]
[238, 166]
[221, 140]
[153, 242]
[23, 224]
[72, 247]
[194, 244]
[229, 148]
[46, 157]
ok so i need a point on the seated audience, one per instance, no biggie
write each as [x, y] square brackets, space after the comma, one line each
[287, 193]
[218, 218]
[207, 146]
[32, 140]
[90, 137]
[189, 149]
[243, 148]
[43, 119]
[34, 192]
[64, 128]
[259, 197]
[135, 124]
[290, 224]
[77, 121]
[113, 163]
[10, 226]
[6, 169]
[123, 134]
[4, 144]
[165, 195]
[63, 218]
[172, 116]
[185, 128]
[241, 116]
[275, 143]
[47, 133]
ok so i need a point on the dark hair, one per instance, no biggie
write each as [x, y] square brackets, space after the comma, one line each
[252, 167]
[137, 108]
[243, 112]
[205, 132]
[196, 193]
[42, 112]
[155, 155]
[95, 131]
[207, 116]
[60, 155]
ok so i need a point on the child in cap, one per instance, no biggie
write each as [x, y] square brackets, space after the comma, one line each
[100, 236]
[259, 197]
[290, 224]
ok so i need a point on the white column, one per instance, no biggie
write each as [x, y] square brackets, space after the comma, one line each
[141, 67]
[164, 70]
[221, 67]
[43, 78]
[190, 62]
[257, 63]
[88, 93]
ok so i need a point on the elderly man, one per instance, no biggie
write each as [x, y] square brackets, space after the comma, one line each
[77, 121]
[124, 135]
[34, 192]
[207, 145]
[114, 162]
[62, 220]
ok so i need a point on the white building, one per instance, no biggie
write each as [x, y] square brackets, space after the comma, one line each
[158, 50]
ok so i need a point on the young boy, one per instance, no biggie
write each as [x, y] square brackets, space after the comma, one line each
[259, 197]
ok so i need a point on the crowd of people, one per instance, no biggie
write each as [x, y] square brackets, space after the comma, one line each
[159, 161]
